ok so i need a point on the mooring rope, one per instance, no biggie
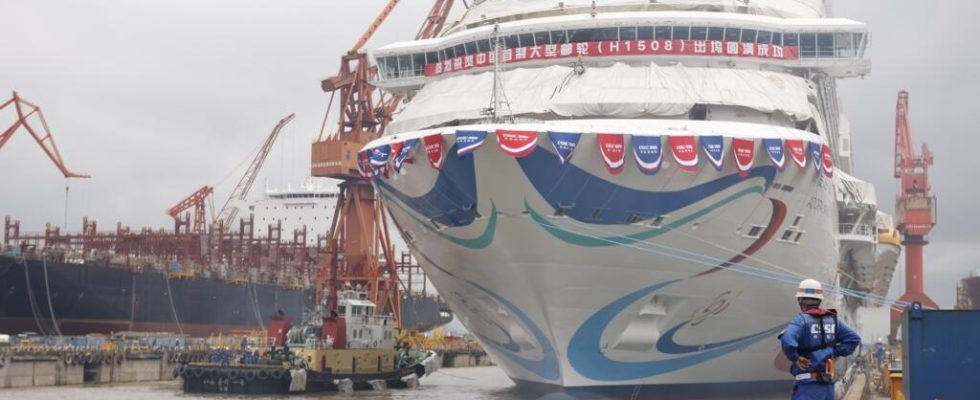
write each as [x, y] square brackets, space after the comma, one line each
[173, 309]
[30, 297]
[47, 288]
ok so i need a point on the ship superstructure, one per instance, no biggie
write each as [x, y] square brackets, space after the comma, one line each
[614, 193]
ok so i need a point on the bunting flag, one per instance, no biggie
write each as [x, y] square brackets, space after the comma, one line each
[613, 149]
[744, 150]
[364, 164]
[815, 150]
[379, 155]
[714, 148]
[828, 162]
[405, 153]
[797, 151]
[564, 144]
[517, 144]
[685, 151]
[468, 141]
[396, 150]
[774, 147]
[648, 152]
[433, 148]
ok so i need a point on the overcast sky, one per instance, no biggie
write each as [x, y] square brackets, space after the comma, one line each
[157, 98]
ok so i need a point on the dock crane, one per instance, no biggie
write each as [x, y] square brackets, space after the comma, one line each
[915, 208]
[205, 195]
[46, 142]
[231, 207]
[359, 231]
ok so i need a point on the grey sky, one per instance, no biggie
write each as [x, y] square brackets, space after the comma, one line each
[157, 98]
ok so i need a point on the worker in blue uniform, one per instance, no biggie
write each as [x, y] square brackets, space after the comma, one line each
[812, 341]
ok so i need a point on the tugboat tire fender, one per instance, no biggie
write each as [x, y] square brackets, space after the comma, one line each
[198, 372]
[249, 375]
[276, 374]
[184, 372]
[176, 372]
[262, 374]
[233, 374]
[69, 359]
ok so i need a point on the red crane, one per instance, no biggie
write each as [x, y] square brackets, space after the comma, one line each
[915, 208]
[359, 231]
[197, 200]
[46, 142]
[230, 209]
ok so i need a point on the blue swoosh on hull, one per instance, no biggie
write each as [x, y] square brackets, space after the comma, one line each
[582, 193]
[452, 199]
[586, 357]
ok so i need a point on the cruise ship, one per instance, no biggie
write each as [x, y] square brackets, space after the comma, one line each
[623, 195]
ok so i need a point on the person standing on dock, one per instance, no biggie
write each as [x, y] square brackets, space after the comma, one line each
[812, 341]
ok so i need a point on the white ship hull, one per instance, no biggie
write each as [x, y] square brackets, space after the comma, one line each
[586, 299]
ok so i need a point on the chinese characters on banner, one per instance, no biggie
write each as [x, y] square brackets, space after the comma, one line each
[614, 48]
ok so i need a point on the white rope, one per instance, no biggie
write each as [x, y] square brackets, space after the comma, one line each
[173, 309]
[47, 289]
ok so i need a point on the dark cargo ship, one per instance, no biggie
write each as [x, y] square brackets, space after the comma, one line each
[75, 299]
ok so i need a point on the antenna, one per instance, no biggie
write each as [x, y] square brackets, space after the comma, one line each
[498, 94]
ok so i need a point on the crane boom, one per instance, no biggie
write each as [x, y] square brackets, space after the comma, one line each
[197, 200]
[373, 27]
[46, 142]
[230, 209]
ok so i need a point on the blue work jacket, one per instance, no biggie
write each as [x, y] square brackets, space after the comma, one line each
[802, 338]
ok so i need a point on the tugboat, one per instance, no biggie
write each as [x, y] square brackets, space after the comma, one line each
[350, 349]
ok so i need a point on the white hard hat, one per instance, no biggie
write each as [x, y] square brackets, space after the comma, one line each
[811, 289]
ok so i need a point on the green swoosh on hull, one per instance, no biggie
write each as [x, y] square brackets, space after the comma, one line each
[478, 242]
[594, 241]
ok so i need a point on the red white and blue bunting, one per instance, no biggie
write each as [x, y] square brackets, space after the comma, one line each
[517, 144]
[433, 148]
[564, 144]
[685, 152]
[828, 161]
[797, 150]
[815, 150]
[648, 153]
[612, 146]
[468, 141]
[404, 153]
[714, 148]
[774, 147]
[744, 151]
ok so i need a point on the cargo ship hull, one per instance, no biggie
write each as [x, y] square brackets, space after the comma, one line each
[82, 299]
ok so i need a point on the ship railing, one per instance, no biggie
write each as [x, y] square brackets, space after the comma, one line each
[857, 230]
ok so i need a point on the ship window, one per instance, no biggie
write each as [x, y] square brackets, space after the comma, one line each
[716, 33]
[431, 57]
[808, 45]
[596, 213]
[644, 33]
[511, 42]
[486, 45]
[404, 65]
[844, 45]
[777, 38]
[657, 221]
[825, 44]
[460, 50]
[542, 38]
[699, 33]
[607, 34]
[526, 39]
[681, 33]
[858, 38]
[559, 37]
[754, 231]
[342, 310]
[582, 35]
[633, 218]
[732, 34]
[470, 48]
[764, 37]
[748, 35]
[799, 235]
[787, 234]
[419, 66]
[443, 55]
[662, 33]
[796, 221]
[627, 33]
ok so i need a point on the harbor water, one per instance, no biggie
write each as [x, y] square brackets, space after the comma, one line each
[476, 383]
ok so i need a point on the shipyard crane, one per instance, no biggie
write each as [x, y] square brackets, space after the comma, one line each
[915, 208]
[198, 201]
[231, 207]
[25, 110]
[359, 231]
